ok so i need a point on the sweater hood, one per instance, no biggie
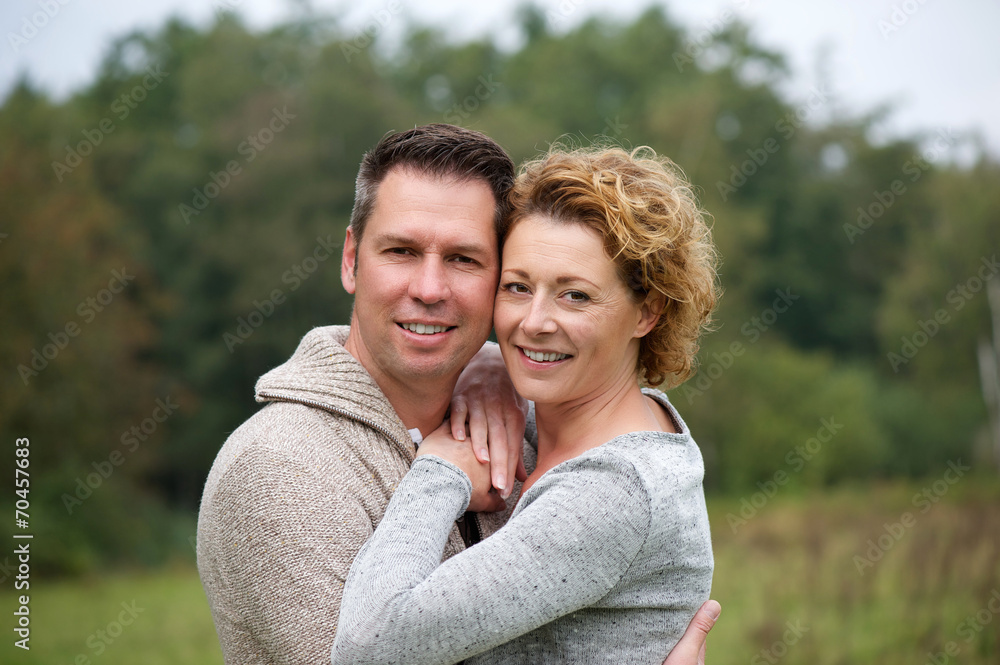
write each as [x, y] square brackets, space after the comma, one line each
[323, 374]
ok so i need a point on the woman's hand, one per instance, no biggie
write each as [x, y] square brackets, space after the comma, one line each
[440, 442]
[487, 408]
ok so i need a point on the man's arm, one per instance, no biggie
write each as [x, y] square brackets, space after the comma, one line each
[276, 542]
[690, 650]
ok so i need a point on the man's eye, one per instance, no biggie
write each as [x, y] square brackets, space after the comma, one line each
[399, 250]
[464, 259]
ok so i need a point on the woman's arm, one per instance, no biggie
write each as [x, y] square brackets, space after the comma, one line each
[563, 550]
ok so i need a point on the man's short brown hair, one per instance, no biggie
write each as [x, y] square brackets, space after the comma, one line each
[436, 149]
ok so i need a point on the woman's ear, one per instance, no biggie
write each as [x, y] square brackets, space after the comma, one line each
[649, 312]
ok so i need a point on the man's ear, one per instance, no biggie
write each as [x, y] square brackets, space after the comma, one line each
[649, 313]
[348, 263]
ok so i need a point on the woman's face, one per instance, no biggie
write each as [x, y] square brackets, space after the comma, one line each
[568, 326]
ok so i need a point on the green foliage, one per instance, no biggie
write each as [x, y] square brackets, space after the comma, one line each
[217, 164]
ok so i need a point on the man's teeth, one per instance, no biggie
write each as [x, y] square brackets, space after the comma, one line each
[545, 357]
[422, 329]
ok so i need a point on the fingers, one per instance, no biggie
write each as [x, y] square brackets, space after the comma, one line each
[459, 413]
[501, 463]
[522, 473]
[691, 647]
[478, 430]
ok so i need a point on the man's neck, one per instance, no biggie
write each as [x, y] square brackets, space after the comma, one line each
[421, 403]
[420, 409]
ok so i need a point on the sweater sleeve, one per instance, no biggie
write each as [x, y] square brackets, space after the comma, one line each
[572, 539]
[277, 544]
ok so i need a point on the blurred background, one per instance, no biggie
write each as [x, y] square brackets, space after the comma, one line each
[170, 170]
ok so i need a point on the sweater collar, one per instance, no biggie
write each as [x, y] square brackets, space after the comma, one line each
[323, 374]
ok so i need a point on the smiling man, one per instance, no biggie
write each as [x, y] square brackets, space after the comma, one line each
[299, 487]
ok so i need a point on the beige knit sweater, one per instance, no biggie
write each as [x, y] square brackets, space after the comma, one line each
[293, 495]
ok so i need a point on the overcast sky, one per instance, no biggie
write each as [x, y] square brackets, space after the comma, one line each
[937, 62]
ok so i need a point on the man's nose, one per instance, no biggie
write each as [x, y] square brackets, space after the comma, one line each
[429, 284]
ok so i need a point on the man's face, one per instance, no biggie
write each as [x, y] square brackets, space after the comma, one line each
[423, 277]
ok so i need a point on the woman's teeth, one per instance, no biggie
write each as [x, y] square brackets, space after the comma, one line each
[545, 357]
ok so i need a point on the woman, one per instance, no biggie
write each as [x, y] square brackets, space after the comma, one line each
[608, 279]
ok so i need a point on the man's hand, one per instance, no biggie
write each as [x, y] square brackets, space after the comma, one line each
[486, 401]
[690, 650]
[441, 443]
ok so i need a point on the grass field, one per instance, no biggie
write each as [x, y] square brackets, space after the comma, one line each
[843, 577]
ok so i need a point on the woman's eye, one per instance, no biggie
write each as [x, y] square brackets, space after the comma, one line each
[577, 296]
[515, 287]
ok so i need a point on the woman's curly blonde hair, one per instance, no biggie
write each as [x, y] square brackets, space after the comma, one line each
[653, 229]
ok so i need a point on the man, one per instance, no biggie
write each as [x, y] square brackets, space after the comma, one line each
[298, 488]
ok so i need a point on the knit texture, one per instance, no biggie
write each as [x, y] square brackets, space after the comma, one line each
[605, 560]
[293, 495]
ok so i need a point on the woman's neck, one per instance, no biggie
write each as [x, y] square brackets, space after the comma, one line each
[566, 430]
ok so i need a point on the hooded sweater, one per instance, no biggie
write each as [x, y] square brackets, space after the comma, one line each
[293, 494]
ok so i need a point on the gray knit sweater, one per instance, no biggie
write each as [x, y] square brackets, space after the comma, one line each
[293, 495]
[605, 560]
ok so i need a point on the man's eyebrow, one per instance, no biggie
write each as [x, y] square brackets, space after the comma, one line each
[393, 240]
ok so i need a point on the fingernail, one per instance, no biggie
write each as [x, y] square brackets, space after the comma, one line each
[501, 482]
[712, 609]
[461, 435]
